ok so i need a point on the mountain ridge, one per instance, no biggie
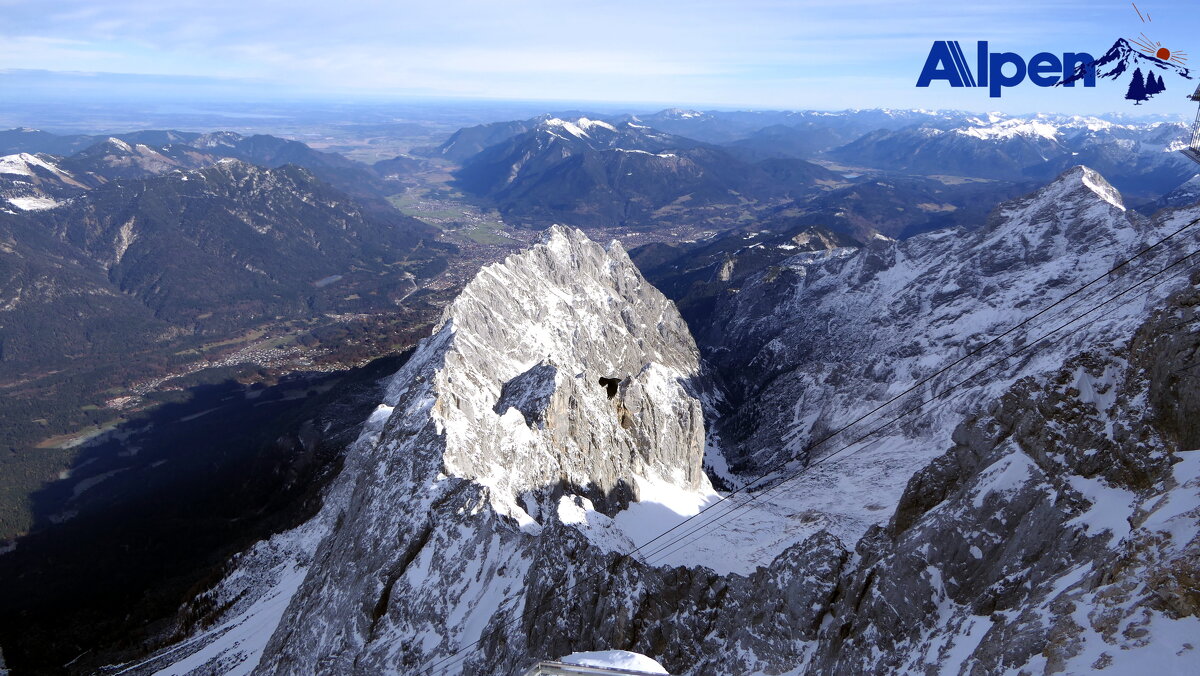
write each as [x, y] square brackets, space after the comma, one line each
[1029, 446]
[595, 174]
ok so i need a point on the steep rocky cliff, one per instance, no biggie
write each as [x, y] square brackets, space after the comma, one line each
[559, 387]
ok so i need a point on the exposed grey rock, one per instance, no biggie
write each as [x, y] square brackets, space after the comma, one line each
[497, 424]
[530, 393]
[1053, 537]
[691, 619]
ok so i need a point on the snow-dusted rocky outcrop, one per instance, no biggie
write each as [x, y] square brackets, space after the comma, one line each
[559, 387]
[1059, 534]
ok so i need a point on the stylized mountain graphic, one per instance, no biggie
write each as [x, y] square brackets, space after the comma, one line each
[1122, 58]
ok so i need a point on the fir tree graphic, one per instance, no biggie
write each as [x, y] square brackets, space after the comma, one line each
[1137, 88]
[1155, 85]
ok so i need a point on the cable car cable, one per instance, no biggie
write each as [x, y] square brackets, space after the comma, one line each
[686, 539]
[454, 657]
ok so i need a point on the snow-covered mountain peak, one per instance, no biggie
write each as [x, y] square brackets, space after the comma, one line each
[680, 114]
[117, 143]
[579, 127]
[585, 124]
[1097, 184]
[559, 362]
[115, 148]
[1011, 128]
[25, 164]
[1080, 198]
[558, 392]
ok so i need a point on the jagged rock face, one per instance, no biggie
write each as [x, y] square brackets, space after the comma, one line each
[497, 428]
[1059, 534]
[809, 347]
[693, 620]
[860, 322]
[538, 334]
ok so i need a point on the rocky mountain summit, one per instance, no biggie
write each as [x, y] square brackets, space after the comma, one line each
[501, 503]
[559, 388]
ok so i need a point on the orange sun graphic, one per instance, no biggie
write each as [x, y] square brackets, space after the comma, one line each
[1155, 49]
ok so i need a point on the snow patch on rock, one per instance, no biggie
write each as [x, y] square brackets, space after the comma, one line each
[616, 659]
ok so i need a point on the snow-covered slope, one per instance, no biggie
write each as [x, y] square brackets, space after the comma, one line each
[812, 347]
[1185, 195]
[35, 182]
[30, 182]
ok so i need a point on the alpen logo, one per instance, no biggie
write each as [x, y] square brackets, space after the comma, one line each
[947, 61]
[1142, 58]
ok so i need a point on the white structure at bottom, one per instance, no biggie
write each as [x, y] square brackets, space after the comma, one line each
[599, 663]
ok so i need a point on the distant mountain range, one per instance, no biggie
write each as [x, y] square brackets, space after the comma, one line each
[595, 174]
[203, 251]
[148, 153]
[1136, 158]
[536, 172]
[820, 129]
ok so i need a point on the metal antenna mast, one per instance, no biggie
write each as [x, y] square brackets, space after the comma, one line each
[1193, 148]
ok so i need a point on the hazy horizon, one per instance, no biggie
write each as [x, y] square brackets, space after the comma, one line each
[165, 98]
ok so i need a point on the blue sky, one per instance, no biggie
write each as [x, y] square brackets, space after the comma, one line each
[824, 54]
